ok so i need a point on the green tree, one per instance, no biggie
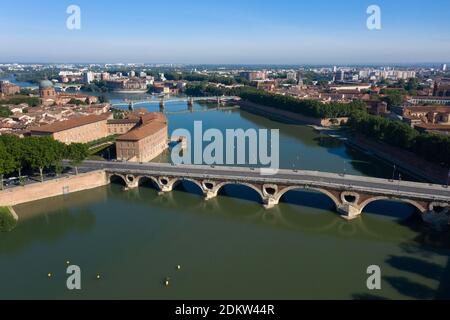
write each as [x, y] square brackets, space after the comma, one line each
[5, 112]
[77, 153]
[7, 164]
[15, 147]
[394, 99]
[43, 153]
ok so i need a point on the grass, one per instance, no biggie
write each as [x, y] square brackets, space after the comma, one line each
[7, 220]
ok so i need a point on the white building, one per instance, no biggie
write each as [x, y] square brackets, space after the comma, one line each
[88, 77]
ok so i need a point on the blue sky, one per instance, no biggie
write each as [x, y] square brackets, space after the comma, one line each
[225, 31]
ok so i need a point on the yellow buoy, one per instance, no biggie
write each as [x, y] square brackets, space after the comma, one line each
[98, 277]
[49, 275]
[167, 282]
[67, 262]
[178, 267]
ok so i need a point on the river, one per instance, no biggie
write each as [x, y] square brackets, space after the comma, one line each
[229, 247]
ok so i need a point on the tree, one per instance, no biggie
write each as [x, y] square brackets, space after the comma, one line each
[76, 102]
[77, 153]
[42, 153]
[7, 164]
[103, 99]
[394, 100]
[15, 147]
[5, 112]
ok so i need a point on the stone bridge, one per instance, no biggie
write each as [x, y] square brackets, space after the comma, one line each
[350, 194]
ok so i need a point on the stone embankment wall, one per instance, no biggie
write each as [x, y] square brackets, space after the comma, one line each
[52, 188]
[287, 116]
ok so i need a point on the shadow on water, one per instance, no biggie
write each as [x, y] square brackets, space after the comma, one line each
[391, 208]
[308, 199]
[47, 228]
[188, 187]
[428, 244]
[240, 192]
[52, 219]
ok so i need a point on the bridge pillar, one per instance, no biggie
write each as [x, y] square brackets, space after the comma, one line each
[132, 182]
[210, 195]
[165, 185]
[270, 202]
[349, 211]
[437, 215]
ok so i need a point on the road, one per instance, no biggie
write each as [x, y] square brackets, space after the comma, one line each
[289, 177]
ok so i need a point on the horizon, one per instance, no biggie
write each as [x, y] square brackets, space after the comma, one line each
[227, 33]
[322, 65]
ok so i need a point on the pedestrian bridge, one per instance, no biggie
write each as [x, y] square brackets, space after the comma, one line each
[350, 194]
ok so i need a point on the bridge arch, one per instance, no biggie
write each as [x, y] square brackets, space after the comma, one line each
[179, 181]
[141, 180]
[415, 204]
[280, 194]
[118, 178]
[220, 186]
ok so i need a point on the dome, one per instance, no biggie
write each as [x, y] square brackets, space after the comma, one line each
[45, 84]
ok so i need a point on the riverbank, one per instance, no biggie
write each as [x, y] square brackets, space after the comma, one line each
[52, 188]
[287, 116]
[407, 161]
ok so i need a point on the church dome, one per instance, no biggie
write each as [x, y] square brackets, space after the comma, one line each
[45, 84]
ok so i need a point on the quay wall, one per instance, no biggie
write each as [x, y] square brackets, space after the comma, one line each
[52, 188]
[287, 116]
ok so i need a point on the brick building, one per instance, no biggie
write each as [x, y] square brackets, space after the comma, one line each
[8, 88]
[82, 129]
[146, 141]
[442, 87]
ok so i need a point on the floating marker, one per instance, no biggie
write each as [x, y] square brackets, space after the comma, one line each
[178, 267]
[167, 282]
[67, 262]
[49, 275]
[98, 277]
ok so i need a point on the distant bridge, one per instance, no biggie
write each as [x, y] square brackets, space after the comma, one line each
[63, 86]
[350, 194]
[163, 100]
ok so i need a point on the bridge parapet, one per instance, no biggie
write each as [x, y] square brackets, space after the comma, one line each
[350, 201]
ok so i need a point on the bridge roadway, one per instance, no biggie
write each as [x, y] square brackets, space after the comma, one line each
[351, 194]
[310, 178]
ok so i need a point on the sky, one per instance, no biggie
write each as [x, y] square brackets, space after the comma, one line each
[226, 32]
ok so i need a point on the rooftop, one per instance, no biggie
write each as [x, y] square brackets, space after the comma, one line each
[71, 123]
[151, 124]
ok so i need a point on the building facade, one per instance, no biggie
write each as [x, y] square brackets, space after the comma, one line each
[121, 126]
[442, 88]
[8, 88]
[145, 142]
[83, 129]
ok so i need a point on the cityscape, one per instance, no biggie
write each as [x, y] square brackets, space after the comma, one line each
[195, 178]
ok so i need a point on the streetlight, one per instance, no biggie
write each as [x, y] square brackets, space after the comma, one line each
[345, 168]
[448, 179]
